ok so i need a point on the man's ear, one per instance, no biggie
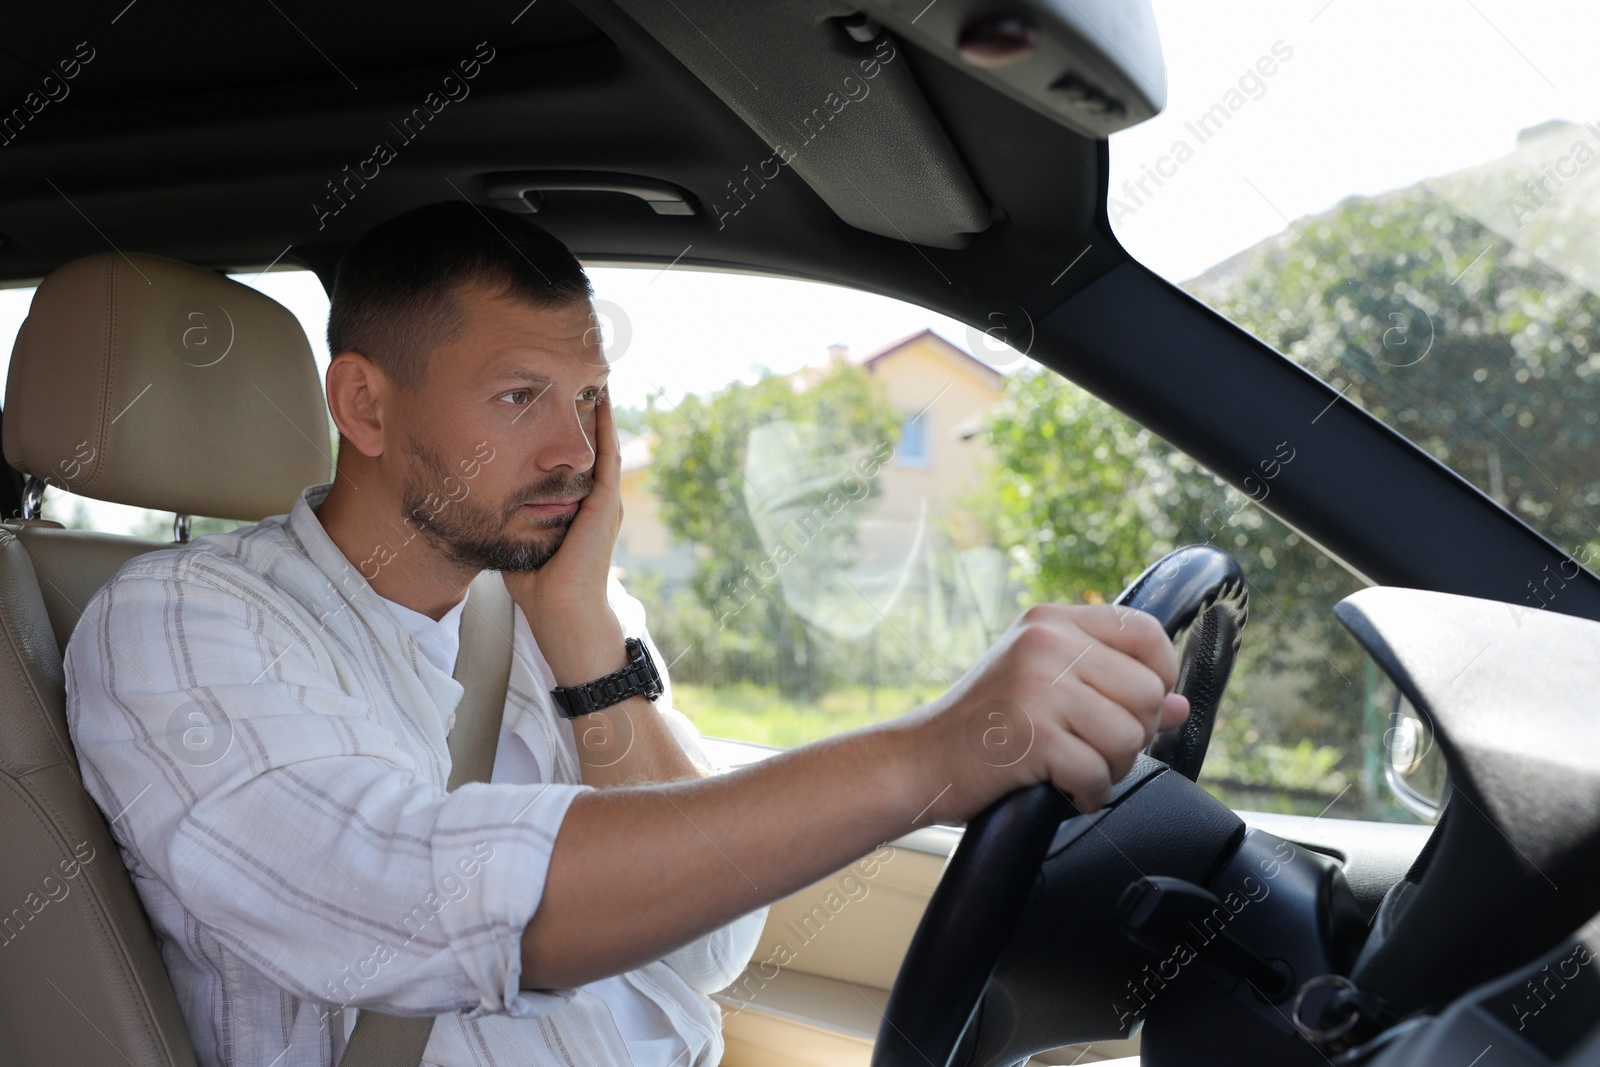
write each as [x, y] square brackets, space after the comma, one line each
[359, 397]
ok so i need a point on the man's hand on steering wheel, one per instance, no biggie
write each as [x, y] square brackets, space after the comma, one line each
[1068, 693]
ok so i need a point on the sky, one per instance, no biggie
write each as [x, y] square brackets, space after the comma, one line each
[1375, 95]
[1362, 96]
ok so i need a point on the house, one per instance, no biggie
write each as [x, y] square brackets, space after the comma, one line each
[941, 392]
[939, 389]
[643, 543]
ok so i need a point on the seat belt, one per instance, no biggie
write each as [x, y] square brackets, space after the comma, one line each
[483, 667]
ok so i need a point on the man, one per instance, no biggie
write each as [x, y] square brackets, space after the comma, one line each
[297, 850]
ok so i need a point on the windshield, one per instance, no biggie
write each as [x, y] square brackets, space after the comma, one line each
[1404, 200]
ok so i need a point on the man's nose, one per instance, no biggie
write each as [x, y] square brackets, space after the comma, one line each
[567, 443]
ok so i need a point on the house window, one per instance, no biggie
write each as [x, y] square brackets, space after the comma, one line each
[914, 440]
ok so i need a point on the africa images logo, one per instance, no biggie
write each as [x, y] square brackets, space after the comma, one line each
[852, 90]
[452, 90]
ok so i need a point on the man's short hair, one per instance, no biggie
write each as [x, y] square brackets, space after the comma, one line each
[394, 296]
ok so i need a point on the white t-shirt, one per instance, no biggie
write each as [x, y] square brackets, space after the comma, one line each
[645, 1027]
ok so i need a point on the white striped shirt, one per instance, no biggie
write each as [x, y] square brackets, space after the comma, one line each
[269, 742]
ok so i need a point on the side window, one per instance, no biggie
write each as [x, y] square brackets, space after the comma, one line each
[828, 534]
[297, 289]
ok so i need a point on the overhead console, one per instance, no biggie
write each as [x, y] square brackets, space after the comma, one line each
[1094, 66]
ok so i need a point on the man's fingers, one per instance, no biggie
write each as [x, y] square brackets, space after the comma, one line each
[1174, 710]
[600, 514]
[1079, 771]
[1108, 728]
[608, 452]
[1098, 682]
[1124, 682]
[1137, 633]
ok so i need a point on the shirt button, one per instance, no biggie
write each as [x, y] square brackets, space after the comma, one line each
[450, 721]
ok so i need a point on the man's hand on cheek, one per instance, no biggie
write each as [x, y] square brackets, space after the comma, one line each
[565, 600]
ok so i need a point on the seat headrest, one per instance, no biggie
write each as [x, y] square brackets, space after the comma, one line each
[145, 381]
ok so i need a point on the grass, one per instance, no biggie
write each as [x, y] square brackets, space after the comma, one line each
[1294, 779]
[758, 714]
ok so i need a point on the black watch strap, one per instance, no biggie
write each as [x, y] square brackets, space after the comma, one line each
[638, 678]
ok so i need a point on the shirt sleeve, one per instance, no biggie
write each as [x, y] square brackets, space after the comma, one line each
[711, 962]
[241, 768]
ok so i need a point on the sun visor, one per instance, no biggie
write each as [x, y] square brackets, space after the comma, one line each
[834, 96]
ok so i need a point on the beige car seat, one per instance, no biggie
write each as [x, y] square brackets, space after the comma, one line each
[149, 382]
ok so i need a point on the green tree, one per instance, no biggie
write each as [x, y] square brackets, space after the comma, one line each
[630, 420]
[820, 427]
[1479, 342]
[1469, 342]
[1083, 499]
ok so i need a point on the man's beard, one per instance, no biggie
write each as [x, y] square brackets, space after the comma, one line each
[473, 534]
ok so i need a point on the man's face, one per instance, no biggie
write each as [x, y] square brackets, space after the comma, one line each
[499, 442]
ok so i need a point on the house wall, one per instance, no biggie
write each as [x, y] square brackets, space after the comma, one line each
[643, 543]
[923, 372]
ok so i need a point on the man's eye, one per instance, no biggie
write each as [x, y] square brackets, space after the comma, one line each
[518, 397]
[590, 396]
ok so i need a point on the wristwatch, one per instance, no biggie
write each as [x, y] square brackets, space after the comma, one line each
[638, 678]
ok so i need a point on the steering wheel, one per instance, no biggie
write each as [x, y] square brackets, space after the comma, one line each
[972, 915]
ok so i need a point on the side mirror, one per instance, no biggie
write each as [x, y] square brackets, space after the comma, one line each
[1413, 765]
